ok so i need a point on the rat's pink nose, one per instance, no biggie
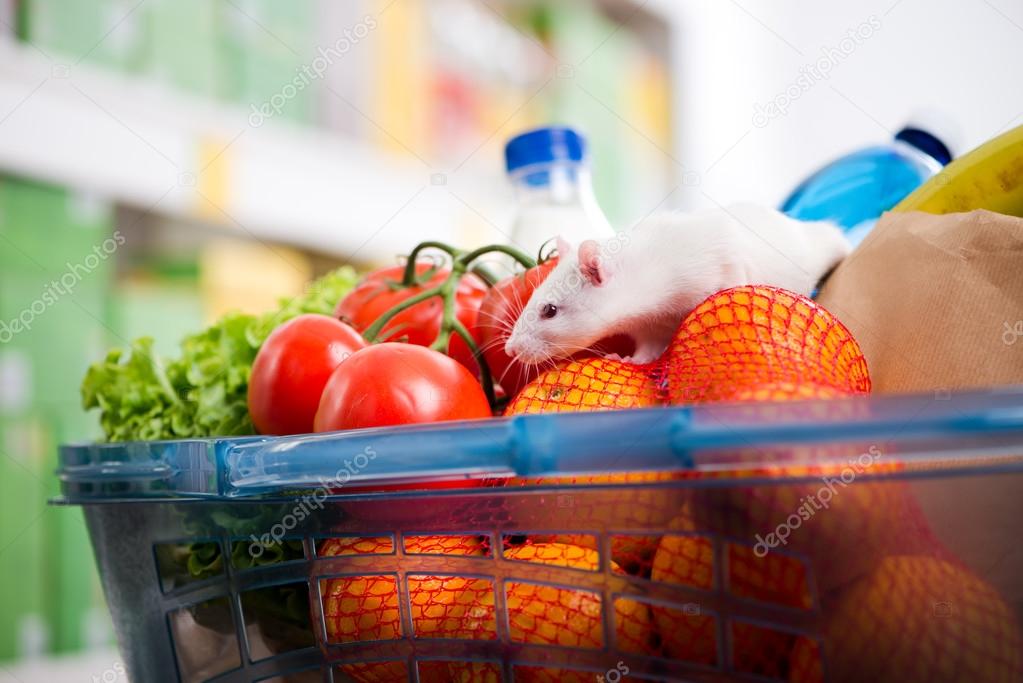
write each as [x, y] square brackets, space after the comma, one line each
[511, 346]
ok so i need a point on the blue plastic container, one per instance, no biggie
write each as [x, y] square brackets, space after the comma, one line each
[871, 538]
[854, 190]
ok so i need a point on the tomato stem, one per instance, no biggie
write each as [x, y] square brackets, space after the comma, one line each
[520, 256]
[486, 379]
[409, 277]
[461, 263]
[540, 257]
[448, 318]
[484, 273]
[373, 331]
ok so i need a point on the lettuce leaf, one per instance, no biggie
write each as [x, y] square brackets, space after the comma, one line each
[201, 393]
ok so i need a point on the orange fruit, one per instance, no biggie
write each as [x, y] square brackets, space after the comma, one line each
[762, 343]
[550, 615]
[355, 545]
[445, 545]
[434, 671]
[377, 672]
[783, 391]
[840, 516]
[805, 663]
[362, 608]
[686, 559]
[429, 672]
[631, 553]
[687, 634]
[537, 674]
[563, 616]
[635, 515]
[774, 578]
[917, 619]
[760, 650]
[588, 384]
[602, 384]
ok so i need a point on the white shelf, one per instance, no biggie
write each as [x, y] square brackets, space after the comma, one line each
[138, 143]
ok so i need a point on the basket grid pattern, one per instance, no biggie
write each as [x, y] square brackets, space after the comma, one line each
[379, 596]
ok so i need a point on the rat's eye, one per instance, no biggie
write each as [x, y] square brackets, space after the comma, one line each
[548, 311]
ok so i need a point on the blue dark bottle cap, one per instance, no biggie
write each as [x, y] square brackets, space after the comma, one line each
[926, 142]
[544, 145]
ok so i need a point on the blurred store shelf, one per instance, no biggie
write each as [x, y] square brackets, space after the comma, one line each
[139, 143]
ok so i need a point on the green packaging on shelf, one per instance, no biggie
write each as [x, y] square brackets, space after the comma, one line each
[188, 64]
[56, 270]
[24, 444]
[106, 32]
[55, 275]
[47, 230]
[265, 57]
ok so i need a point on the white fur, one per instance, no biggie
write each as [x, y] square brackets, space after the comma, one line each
[656, 273]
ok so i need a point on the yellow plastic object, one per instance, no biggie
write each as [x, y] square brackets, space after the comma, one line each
[990, 177]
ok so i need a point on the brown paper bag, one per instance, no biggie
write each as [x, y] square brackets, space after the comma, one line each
[936, 302]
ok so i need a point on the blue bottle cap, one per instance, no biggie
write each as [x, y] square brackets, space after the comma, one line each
[544, 145]
[926, 142]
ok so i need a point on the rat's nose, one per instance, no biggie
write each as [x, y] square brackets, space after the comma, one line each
[511, 346]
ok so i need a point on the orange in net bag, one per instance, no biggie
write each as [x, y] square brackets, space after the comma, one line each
[365, 608]
[595, 384]
[588, 384]
[749, 343]
[686, 558]
[915, 619]
[762, 343]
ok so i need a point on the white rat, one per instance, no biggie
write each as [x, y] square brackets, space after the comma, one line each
[643, 282]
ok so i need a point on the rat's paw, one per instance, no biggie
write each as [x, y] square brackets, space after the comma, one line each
[615, 356]
[641, 358]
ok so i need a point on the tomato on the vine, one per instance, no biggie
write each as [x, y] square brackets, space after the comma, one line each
[392, 384]
[291, 369]
[420, 324]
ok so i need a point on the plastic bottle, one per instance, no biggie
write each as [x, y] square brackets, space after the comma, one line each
[856, 189]
[550, 170]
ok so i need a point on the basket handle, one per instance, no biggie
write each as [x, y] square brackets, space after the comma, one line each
[524, 445]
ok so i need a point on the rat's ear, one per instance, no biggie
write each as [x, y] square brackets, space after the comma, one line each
[563, 247]
[590, 263]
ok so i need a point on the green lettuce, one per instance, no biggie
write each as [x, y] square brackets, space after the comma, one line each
[143, 397]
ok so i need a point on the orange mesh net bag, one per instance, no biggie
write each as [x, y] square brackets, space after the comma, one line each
[750, 343]
[894, 604]
[762, 343]
[914, 619]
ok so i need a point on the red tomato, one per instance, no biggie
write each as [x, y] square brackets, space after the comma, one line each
[420, 324]
[291, 369]
[393, 384]
[501, 308]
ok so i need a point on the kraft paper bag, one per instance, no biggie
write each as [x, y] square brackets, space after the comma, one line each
[935, 302]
